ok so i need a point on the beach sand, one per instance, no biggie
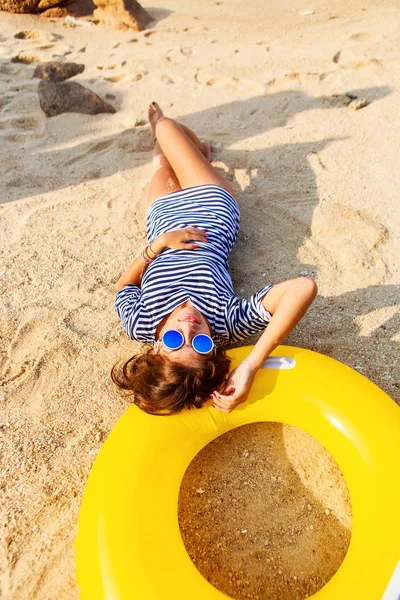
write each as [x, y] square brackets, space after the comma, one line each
[265, 512]
[317, 183]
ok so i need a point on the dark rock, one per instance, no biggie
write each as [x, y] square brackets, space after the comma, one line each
[74, 8]
[56, 71]
[50, 8]
[25, 59]
[121, 14]
[69, 96]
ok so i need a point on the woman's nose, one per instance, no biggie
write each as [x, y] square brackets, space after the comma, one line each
[189, 331]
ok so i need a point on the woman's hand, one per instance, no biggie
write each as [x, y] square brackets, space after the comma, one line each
[181, 238]
[237, 388]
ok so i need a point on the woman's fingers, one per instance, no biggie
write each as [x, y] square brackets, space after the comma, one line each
[194, 233]
[224, 400]
[198, 230]
[224, 406]
[229, 389]
[201, 237]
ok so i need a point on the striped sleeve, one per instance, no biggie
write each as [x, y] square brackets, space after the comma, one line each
[245, 317]
[127, 307]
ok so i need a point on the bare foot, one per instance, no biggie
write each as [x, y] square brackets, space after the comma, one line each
[155, 113]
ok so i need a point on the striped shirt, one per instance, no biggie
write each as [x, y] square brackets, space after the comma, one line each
[201, 276]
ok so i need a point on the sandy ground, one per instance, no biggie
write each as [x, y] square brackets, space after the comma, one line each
[318, 187]
[265, 513]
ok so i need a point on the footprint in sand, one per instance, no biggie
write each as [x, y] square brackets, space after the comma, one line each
[186, 50]
[136, 140]
[112, 67]
[364, 36]
[23, 139]
[116, 78]
[21, 355]
[132, 41]
[366, 255]
[100, 146]
[296, 77]
[47, 47]
[138, 76]
[39, 36]
[94, 149]
[169, 79]
[372, 62]
[237, 82]
[22, 123]
[25, 87]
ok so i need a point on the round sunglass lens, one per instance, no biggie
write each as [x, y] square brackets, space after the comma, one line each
[172, 339]
[203, 343]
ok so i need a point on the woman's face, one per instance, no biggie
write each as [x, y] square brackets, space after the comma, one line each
[190, 322]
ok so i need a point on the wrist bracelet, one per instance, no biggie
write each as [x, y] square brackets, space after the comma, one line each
[151, 249]
[145, 257]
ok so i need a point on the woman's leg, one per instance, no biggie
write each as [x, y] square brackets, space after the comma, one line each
[184, 152]
[163, 180]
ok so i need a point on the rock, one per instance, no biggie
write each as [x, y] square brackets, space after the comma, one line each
[18, 6]
[76, 8]
[69, 96]
[337, 100]
[121, 14]
[49, 8]
[45, 4]
[359, 103]
[56, 71]
[25, 59]
[55, 12]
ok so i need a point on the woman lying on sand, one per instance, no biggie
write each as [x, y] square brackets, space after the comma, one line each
[178, 295]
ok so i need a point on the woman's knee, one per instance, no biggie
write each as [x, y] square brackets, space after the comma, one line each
[164, 125]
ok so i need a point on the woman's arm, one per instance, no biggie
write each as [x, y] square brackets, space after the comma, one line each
[287, 302]
[135, 271]
[179, 239]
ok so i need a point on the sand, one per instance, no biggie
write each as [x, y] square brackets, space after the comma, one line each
[265, 513]
[318, 187]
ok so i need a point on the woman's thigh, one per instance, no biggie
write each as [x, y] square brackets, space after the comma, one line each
[189, 164]
[163, 181]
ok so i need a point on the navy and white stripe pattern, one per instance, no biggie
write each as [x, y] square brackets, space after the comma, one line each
[201, 276]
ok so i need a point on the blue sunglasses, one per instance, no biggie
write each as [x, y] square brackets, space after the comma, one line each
[173, 340]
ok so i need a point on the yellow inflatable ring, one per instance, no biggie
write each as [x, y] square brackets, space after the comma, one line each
[129, 544]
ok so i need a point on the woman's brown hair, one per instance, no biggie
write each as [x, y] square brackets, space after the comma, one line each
[161, 386]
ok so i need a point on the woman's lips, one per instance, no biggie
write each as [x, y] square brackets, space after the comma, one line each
[191, 319]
